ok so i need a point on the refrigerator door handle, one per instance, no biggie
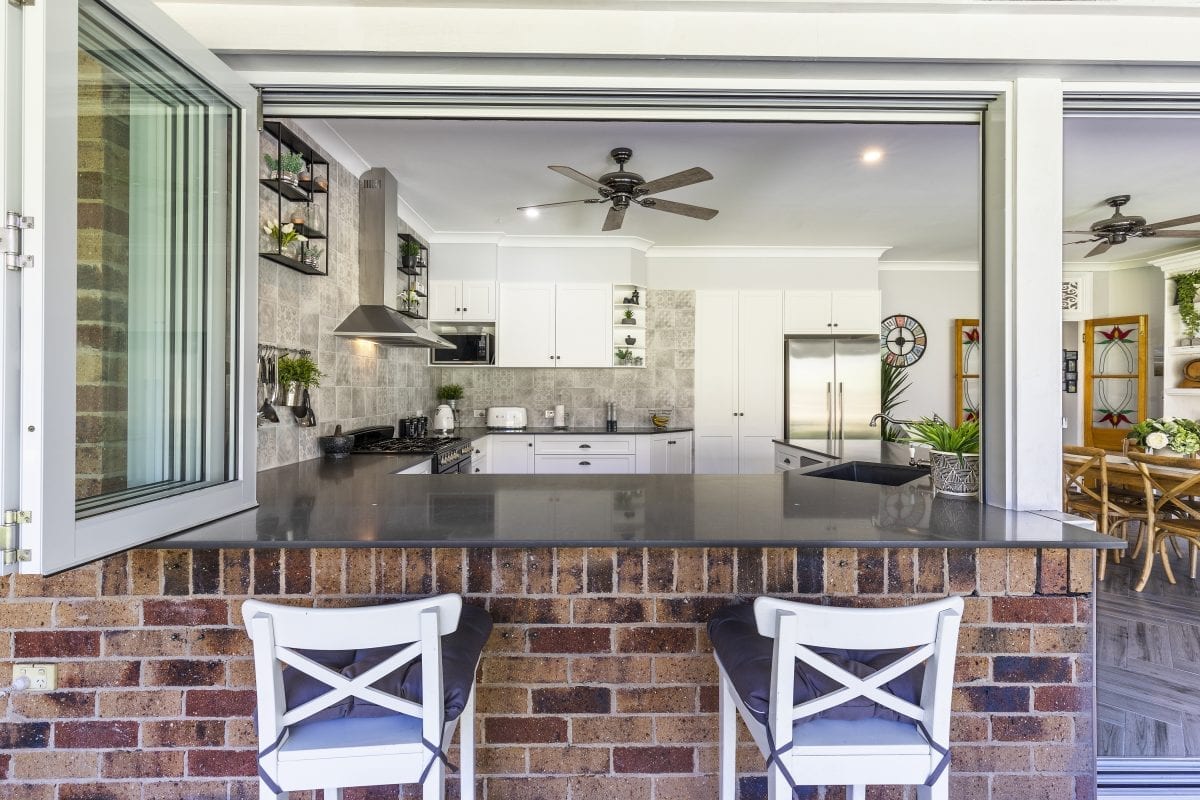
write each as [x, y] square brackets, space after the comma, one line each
[828, 410]
[841, 411]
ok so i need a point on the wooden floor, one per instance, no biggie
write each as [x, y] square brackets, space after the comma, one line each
[1148, 661]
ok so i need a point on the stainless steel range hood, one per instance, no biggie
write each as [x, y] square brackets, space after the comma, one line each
[378, 281]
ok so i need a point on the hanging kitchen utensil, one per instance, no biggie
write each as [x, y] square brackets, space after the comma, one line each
[267, 410]
[310, 418]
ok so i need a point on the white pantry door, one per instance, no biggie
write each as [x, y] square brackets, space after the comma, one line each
[10, 280]
[115, 93]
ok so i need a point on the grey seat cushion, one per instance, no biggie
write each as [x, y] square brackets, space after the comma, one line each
[747, 658]
[460, 654]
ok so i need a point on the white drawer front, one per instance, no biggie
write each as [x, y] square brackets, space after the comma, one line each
[586, 445]
[585, 465]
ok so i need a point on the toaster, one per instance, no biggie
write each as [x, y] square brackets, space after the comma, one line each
[506, 417]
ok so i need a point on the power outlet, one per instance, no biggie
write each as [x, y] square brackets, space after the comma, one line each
[42, 677]
[480, 413]
[549, 413]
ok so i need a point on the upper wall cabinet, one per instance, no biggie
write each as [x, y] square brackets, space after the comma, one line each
[465, 301]
[544, 325]
[831, 312]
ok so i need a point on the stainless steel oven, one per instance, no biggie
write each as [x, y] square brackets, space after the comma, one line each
[469, 348]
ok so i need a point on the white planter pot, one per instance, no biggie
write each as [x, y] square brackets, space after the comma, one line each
[954, 473]
[1167, 451]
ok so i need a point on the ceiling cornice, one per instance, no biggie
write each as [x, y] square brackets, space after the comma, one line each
[766, 252]
[1188, 259]
[928, 266]
[505, 240]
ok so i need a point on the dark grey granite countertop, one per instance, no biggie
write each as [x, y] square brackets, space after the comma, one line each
[873, 450]
[475, 433]
[362, 502]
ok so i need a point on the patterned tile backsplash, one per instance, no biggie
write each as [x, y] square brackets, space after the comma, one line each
[667, 381]
[363, 383]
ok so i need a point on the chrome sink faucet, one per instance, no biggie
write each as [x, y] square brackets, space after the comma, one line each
[901, 423]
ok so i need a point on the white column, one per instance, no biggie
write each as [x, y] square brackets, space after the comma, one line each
[1022, 310]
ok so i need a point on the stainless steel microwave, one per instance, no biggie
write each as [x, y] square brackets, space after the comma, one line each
[469, 348]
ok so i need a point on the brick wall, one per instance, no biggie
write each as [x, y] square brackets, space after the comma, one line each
[597, 682]
[101, 360]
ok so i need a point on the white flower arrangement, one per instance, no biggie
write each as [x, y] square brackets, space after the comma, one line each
[1157, 440]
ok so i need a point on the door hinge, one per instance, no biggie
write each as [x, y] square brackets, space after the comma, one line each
[14, 223]
[258, 110]
[10, 548]
[20, 3]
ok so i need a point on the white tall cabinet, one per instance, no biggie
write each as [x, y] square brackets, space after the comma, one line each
[739, 380]
[548, 325]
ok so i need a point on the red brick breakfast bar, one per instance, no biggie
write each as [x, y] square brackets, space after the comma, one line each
[598, 681]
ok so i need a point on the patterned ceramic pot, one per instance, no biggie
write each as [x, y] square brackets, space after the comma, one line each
[954, 473]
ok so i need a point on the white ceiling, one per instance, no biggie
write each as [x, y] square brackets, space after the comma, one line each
[777, 184]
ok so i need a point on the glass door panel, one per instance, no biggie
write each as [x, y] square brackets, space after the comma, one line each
[968, 364]
[1115, 358]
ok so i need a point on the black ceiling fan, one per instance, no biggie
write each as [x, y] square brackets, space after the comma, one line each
[620, 188]
[1119, 227]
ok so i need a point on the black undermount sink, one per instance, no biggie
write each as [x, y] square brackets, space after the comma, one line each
[866, 472]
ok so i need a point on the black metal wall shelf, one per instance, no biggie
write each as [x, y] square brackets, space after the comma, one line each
[299, 199]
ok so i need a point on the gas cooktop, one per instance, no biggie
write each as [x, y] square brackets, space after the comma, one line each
[429, 444]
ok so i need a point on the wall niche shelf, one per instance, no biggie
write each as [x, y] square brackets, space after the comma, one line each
[299, 199]
[622, 294]
[414, 277]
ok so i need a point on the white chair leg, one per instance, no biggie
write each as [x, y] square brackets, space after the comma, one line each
[857, 792]
[466, 750]
[939, 791]
[728, 741]
[266, 794]
[434, 787]
[333, 794]
[777, 785]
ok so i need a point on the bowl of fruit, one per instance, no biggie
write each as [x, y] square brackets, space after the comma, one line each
[660, 417]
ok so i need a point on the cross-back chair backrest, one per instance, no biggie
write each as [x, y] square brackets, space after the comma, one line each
[1085, 472]
[929, 631]
[279, 632]
[1168, 482]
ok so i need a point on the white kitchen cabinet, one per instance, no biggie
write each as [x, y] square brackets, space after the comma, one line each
[510, 455]
[525, 325]
[831, 312]
[424, 468]
[480, 456]
[664, 454]
[585, 465]
[544, 325]
[789, 458]
[569, 444]
[583, 325]
[739, 371]
[467, 301]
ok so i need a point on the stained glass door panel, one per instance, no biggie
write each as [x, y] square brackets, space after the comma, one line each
[1115, 359]
[968, 362]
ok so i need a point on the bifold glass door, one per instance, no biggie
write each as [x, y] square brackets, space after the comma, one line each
[141, 149]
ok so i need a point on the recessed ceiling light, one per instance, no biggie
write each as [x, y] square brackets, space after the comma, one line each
[872, 155]
[532, 213]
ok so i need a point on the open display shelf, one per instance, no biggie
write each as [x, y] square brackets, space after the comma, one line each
[623, 293]
[306, 197]
[413, 287]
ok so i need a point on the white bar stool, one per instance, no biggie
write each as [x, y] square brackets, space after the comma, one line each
[849, 727]
[365, 696]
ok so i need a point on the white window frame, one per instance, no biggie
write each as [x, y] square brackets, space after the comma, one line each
[54, 536]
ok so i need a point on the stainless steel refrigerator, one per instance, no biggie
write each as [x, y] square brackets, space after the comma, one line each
[831, 387]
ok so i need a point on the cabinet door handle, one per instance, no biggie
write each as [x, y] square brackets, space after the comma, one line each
[458, 309]
[466, 309]
[585, 463]
[477, 469]
[787, 461]
[476, 452]
[670, 442]
[585, 447]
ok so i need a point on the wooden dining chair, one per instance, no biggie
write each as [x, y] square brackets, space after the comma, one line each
[1171, 485]
[1087, 491]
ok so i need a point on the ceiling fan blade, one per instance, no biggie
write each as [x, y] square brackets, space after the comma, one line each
[563, 203]
[1084, 232]
[1172, 223]
[1098, 249]
[1080, 241]
[684, 178]
[1184, 234]
[615, 218]
[576, 175]
[671, 207]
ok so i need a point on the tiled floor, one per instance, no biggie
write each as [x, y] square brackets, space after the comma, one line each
[1148, 660]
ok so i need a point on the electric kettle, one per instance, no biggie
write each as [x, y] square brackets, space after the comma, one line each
[443, 419]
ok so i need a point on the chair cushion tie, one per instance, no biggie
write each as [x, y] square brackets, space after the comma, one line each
[438, 755]
[262, 773]
[937, 748]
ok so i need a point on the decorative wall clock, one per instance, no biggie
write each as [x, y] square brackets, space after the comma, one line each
[903, 340]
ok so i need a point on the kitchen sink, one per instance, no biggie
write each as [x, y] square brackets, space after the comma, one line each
[867, 472]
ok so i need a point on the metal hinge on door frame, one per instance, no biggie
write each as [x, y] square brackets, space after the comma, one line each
[21, 3]
[10, 548]
[14, 223]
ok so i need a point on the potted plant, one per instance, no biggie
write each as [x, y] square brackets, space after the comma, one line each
[286, 168]
[1186, 285]
[410, 252]
[450, 394]
[628, 319]
[954, 454]
[297, 373]
[623, 355]
[312, 256]
[284, 238]
[1167, 436]
[411, 300]
[630, 340]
